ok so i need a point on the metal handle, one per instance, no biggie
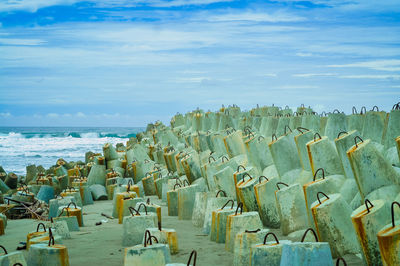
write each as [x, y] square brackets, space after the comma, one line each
[186, 182]
[252, 231]
[40, 224]
[305, 234]
[398, 204]
[340, 260]
[51, 237]
[240, 166]
[322, 194]
[375, 107]
[147, 239]
[219, 191]
[355, 140]
[224, 157]
[228, 203]
[70, 204]
[363, 110]
[336, 110]
[4, 249]
[274, 136]
[260, 137]
[131, 209]
[144, 206]
[366, 205]
[211, 157]
[287, 127]
[246, 174]
[396, 106]
[148, 201]
[262, 176]
[177, 185]
[281, 183]
[194, 252]
[317, 134]
[272, 234]
[240, 205]
[301, 129]
[316, 172]
[340, 133]
[62, 210]
[354, 110]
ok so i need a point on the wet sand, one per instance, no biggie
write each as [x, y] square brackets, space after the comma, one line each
[102, 245]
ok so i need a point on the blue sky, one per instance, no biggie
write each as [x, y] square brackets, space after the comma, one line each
[127, 63]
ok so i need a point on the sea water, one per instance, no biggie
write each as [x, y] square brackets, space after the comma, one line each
[22, 146]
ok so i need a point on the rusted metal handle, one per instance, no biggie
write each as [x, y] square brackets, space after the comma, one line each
[340, 133]
[262, 176]
[394, 203]
[287, 127]
[38, 226]
[147, 239]
[224, 157]
[17, 264]
[354, 110]
[228, 203]
[211, 157]
[260, 137]
[73, 204]
[340, 260]
[336, 110]
[62, 210]
[4, 249]
[246, 174]
[316, 172]
[240, 205]
[148, 201]
[193, 253]
[131, 210]
[144, 206]
[396, 106]
[274, 136]
[301, 129]
[366, 205]
[322, 194]
[186, 182]
[281, 183]
[177, 185]
[219, 191]
[375, 107]
[150, 240]
[51, 237]
[363, 110]
[317, 134]
[272, 234]
[305, 234]
[252, 231]
[355, 140]
[240, 166]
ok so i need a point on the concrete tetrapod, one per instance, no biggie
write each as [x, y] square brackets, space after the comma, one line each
[224, 181]
[336, 123]
[343, 142]
[72, 221]
[238, 222]
[374, 125]
[243, 245]
[246, 193]
[186, 196]
[268, 252]
[172, 200]
[166, 236]
[49, 254]
[135, 225]
[301, 143]
[371, 170]
[389, 241]
[333, 224]
[219, 218]
[355, 121]
[125, 204]
[306, 253]
[291, 207]
[266, 201]
[367, 220]
[75, 211]
[213, 203]
[13, 258]
[147, 254]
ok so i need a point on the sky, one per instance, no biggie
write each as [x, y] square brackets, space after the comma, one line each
[132, 62]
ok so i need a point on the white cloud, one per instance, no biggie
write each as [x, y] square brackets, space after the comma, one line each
[370, 76]
[304, 54]
[80, 114]
[15, 41]
[384, 65]
[309, 75]
[256, 16]
[52, 115]
[31, 5]
[5, 115]
[271, 75]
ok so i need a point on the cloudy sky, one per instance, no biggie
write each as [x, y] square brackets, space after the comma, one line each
[130, 62]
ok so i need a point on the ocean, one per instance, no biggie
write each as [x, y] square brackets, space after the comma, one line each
[21, 146]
